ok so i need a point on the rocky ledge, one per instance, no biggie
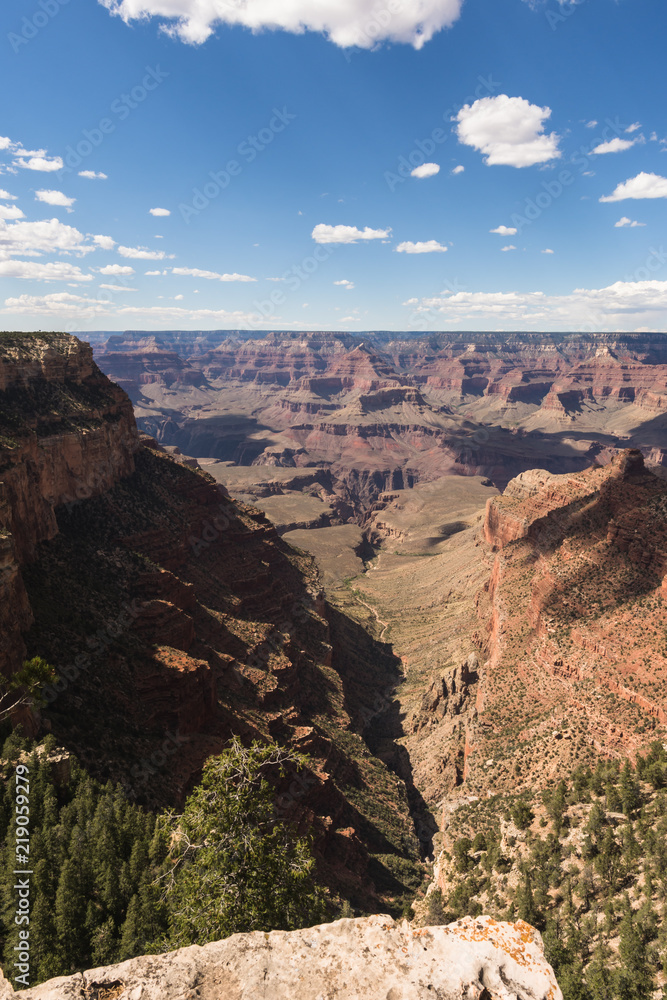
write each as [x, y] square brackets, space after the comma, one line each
[370, 958]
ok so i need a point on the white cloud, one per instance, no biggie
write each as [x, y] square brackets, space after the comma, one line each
[425, 170]
[35, 238]
[625, 221]
[346, 234]
[625, 305]
[509, 247]
[151, 274]
[118, 288]
[159, 211]
[177, 298]
[57, 304]
[591, 124]
[504, 231]
[31, 269]
[348, 285]
[351, 319]
[117, 269]
[642, 186]
[141, 253]
[40, 162]
[614, 146]
[92, 175]
[459, 169]
[344, 22]
[11, 212]
[196, 272]
[508, 130]
[104, 242]
[5, 142]
[633, 127]
[546, 251]
[6, 196]
[54, 198]
[430, 246]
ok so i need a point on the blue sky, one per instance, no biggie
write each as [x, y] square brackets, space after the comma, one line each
[284, 158]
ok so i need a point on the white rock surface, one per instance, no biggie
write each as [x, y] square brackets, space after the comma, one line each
[370, 958]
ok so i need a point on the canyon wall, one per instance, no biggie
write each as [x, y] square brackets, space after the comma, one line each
[66, 432]
[176, 617]
[384, 411]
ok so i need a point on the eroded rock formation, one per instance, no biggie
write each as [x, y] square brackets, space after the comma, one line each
[382, 412]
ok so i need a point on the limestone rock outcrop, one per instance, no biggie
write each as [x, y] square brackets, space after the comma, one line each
[370, 958]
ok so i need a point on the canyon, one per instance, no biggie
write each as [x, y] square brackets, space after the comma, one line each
[383, 411]
[438, 566]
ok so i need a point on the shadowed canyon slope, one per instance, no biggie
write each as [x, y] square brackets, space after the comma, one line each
[382, 412]
[176, 617]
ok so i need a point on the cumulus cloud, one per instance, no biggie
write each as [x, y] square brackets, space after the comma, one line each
[614, 146]
[40, 162]
[430, 246]
[348, 285]
[546, 251]
[55, 198]
[117, 269]
[104, 242]
[56, 304]
[425, 170]
[625, 305]
[11, 212]
[509, 247]
[459, 169]
[344, 22]
[625, 221]
[504, 230]
[35, 238]
[151, 274]
[32, 269]
[142, 253]
[633, 127]
[508, 130]
[347, 234]
[196, 272]
[92, 175]
[118, 288]
[159, 211]
[642, 186]
[6, 196]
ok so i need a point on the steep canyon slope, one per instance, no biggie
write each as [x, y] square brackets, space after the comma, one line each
[175, 617]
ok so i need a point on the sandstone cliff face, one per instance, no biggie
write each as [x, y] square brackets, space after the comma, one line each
[65, 432]
[365, 959]
[574, 617]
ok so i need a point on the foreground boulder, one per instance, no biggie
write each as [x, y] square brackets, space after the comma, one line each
[370, 958]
